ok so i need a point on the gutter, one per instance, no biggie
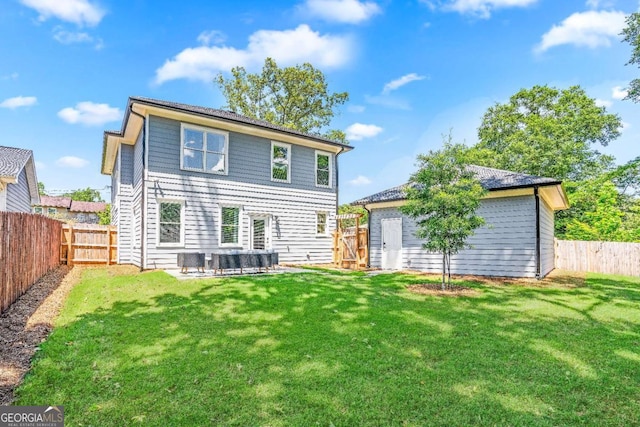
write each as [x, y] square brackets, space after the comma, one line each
[142, 188]
[537, 198]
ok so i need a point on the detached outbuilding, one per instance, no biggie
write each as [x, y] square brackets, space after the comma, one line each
[517, 239]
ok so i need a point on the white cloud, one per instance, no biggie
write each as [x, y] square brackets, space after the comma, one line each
[591, 29]
[358, 131]
[40, 165]
[395, 84]
[80, 12]
[288, 47]
[12, 76]
[618, 92]
[343, 11]
[603, 103]
[19, 101]
[478, 8]
[360, 180]
[69, 37]
[355, 108]
[89, 113]
[625, 126]
[388, 101]
[208, 38]
[72, 162]
[599, 4]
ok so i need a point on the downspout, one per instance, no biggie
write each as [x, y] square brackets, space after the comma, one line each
[537, 198]
[338, 180]
[142, 229]
[368, 235]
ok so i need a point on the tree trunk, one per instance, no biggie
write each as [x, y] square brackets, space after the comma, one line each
[444, 267]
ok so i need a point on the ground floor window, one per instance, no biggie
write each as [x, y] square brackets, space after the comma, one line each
[170, 229]
[230, 225]
[321, 223]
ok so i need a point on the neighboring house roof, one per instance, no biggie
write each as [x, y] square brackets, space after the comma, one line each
[12, 162]
[87, 206]
[490, 179]
[111, 138]
[55, 202]
[71, 205]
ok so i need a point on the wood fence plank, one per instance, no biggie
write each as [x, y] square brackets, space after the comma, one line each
[598, 257]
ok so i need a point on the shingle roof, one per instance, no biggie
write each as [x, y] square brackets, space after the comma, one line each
[490, 179]
[87, 206]
[231, 116]
[12, 160]
[55, 202]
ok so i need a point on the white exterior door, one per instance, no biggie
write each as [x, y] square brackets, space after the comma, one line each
[260, 232]
[392, 243]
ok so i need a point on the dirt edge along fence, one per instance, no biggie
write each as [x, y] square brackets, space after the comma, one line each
[598, 257]
[29, 248]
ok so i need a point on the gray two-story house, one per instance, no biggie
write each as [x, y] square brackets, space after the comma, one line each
[18, 181]
[194, 179]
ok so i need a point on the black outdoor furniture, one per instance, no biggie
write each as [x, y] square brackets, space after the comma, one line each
[236, 259]
[188, 260]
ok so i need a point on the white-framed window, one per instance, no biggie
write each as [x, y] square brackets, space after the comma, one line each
[52, 211]
[323, 169]
[280, 162]
[204, 149]
[38, 210]
[230, 226]
[321, 223]
[170, 222]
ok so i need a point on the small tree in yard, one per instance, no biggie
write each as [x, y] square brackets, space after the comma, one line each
[443, 198]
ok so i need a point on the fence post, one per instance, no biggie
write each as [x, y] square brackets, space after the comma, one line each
[70, 254]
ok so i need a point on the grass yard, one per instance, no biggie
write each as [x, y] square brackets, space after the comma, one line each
[340, 349]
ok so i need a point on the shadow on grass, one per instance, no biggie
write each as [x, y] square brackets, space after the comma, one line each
[338, 349]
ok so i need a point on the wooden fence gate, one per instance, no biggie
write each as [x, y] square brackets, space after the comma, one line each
[350, 244]
[88, 244]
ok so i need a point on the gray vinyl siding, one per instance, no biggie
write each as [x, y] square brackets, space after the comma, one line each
[124, 196]
[249, 159]
[18, 198]
[547, 243]
[293, 218]
[136, 201]
[504, 246]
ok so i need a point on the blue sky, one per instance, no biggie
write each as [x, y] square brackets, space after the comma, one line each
[414, 69]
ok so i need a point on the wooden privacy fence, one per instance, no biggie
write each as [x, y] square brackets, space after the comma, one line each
[598, 257]
[88, 244]
[351, 244]
[28, 250]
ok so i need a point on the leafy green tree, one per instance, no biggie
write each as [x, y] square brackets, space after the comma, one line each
[443, 198]
[350, 209]
[293, 97]
[631, 35]
[547, 132]
[84, 195]
[104, 217]
[41, 189]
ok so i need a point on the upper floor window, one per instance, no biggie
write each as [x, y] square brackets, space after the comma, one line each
[323, 169]
[280, 162]
[204, 150]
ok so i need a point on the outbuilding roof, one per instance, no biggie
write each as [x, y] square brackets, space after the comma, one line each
[491, 179]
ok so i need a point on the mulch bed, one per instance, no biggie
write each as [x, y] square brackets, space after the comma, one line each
[436, 289]
[27, 323]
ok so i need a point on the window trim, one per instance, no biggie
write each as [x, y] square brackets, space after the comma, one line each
[159, 202]
[326, 224]
[230, 245]
[324, 153]
[288, 147]
[204, 130]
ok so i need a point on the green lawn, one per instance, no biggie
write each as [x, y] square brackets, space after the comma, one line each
[340, 349]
